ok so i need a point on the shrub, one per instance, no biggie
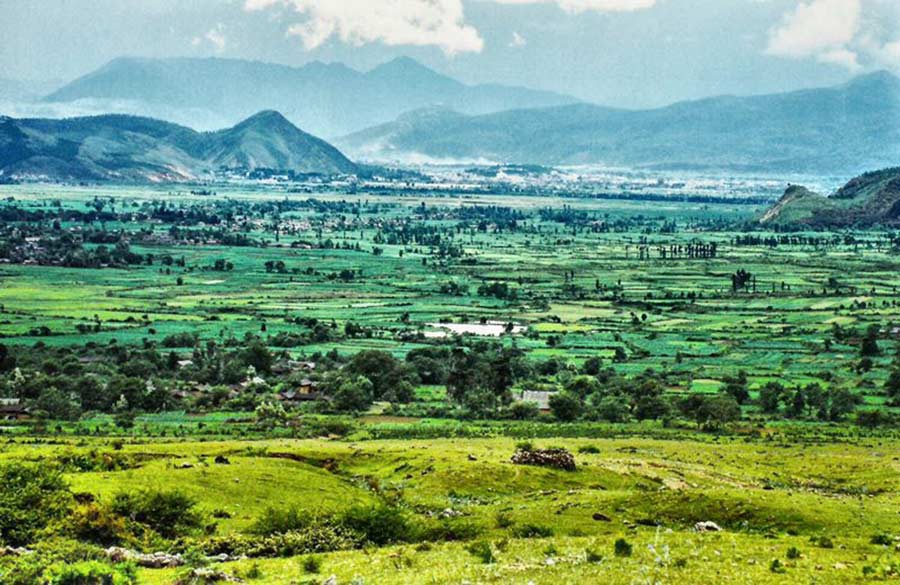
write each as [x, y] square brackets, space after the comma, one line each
[503, 519]
[822, 542]
[622, 548]
[882, 539]
[532, 531]
[312, 564]
[90, 573]
[316, 538]
[170, 514]
[524, 446]
[593, 556]
[381, 525]
[589, 449]
[776, 566]
[483, 551]
[793, 553]
[279, 521]
[32, 496]
[97, 524]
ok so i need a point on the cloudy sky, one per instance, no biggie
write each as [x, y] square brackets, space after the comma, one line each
[632, 53]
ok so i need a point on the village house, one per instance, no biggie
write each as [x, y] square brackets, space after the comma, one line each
[12, 409]
[542, 399]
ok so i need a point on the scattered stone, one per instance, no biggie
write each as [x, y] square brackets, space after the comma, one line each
[14, 551]
[204, 575]
[157, 560]
[601, 517]
[707, 527]
[558, 458]
[450, 513]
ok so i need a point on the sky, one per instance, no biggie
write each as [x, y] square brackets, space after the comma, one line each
[628, 53]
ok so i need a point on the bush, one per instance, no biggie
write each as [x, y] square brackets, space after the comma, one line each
[882, 539]
[793, 553]
[32, 496]
[169, 514]
[280, 521]
[504, 520]
[622, 548]
[532, 531]
[589, 449]
[312, 564]
[97, 524]
[316, 538]
[483, 551]
[90, 573]
[381, 525]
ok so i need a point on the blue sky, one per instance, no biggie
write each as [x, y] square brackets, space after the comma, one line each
[631, 53]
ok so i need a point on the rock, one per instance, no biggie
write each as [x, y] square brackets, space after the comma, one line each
[184, 466]
[450, 513]
[558, 458]
[14, 551]
[331, 580]
[205, 575]
[840, 566]
[601, 517]
[472, 457]
[157, 560]
[707, 527]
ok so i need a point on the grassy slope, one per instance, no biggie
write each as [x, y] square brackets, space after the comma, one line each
[767, 495]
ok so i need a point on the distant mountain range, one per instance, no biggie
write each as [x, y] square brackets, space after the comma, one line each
[842, 129]
[325, 99]
[870, 199]
[133, 149]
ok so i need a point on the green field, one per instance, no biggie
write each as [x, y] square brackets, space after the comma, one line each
[155, 341]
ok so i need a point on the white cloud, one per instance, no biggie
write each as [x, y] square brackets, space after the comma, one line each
[815, 28]
[214, 36]
[853, 34]
[517, 41]
[576, 6]
[844, 57]
[439, 23]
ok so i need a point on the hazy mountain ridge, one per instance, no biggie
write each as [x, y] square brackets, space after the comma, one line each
[326, 99]
[134, 149]
[844, 128]
[872, 198]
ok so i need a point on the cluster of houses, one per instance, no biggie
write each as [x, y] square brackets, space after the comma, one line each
[306, 390]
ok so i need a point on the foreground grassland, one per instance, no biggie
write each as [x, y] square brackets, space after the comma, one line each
[822, 502]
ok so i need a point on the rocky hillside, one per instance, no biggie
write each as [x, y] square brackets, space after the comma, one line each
[133, 149]
[870, 199]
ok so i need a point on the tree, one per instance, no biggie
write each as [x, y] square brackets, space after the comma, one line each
[869, 346]
[390, 378]
[270, 415]
[770, 397]
[892, 386]
[59, 405]
[711, 412]
[565, 406]
[613, 408]
[256, 354]
[840, 402]
[351, 393]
